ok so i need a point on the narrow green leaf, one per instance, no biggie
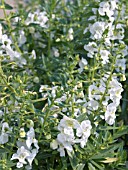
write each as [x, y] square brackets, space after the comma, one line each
[120, 133]
[73, 160]
[97, 165]
[36, 161]
[80, 166]
[91, 167]
[106, 152]
[7, 6]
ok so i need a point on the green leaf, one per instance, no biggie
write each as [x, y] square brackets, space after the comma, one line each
[122, 168]
[107, 128]
[3, 151]
[106, 152]
[81, 117]
[79, 149]
[73, 160]
[80, 166]
[91, 167]
[36, 161]
[10, 164]
[64, 161]
[1, 19]
[120, 133]
[6, 6]
[97, 165]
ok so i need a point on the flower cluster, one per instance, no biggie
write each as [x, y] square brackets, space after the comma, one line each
[25, 149]
[7, 49]
[67, 137]
[106, 39]
[37, 17]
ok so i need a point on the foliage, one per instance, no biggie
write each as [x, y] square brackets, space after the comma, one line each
[63, 87]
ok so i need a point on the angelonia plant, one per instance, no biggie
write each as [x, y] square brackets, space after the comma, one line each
[63, 97]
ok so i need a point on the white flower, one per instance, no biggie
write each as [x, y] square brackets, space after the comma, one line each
[83, 62]
[92, 18]
[102, 86]
[93, 104]
[114, 4]
[17, 19]
[84, 129]
[86, 30]
[110, 114]
[14, 55]
[55, 52]
[67, 122]
[94, 10]
[53, 16]
[94, 92]
[64, 109]
[70, 34]
[91, 48]
[21, 155]
[3, 138]
[54, 90]
[115, 91]
[4, 133]
[43, 88]
[83, 140]
[66, 141]
[104, 55]
[1, 113]
[121, 65]
[18, 58]
[105, 102]
[97, 30]
[33, 54]
[41, 120]
[70, 31]
[37, 18]
[25, 150]
[42, 19]
[5, 41]
[31, 156]
[61, 150]
[71, 132]
[115, 33]
[105, 9]
[22, 38]
[77, 112]
[31, 139]
[120, 32]
[66, 137]
[53, 108]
